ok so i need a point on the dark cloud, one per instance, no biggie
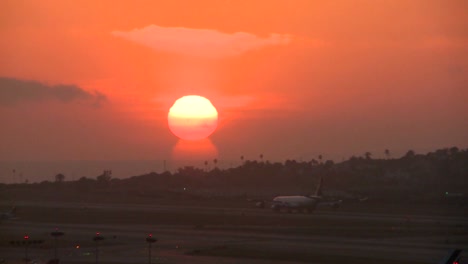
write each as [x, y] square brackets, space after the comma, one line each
[13, 91]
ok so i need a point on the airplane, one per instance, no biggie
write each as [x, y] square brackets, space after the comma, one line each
[10, 215]
[305, 204]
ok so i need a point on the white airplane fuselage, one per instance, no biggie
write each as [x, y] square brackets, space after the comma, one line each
[296, 202]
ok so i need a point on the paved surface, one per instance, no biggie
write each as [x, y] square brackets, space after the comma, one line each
[316, 242]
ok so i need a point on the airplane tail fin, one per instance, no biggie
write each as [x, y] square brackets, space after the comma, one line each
[318, 191]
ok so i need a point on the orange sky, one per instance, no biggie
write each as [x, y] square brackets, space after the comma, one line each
[290, 79]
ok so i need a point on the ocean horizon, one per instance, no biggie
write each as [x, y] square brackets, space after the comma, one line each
[38, 171]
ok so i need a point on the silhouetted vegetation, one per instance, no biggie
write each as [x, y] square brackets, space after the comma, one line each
[412, 177]
[59, 177]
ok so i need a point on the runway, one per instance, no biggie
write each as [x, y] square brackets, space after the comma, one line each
[230, 235]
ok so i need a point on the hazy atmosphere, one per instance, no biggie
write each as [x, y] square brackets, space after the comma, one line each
[85, 81]
[234, 131]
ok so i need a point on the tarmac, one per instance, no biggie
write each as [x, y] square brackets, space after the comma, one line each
[215, 234]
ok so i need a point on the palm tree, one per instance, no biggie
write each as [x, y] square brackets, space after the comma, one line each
[320, 158]
[387, 153]
[206, 165]
[368, 155]
[104, 180]
[59, 177]
[242, 159]
[261, 157]
[215, 161]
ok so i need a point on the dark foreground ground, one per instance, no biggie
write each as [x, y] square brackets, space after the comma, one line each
[230, 231]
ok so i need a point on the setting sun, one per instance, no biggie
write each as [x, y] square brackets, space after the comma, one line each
[192, 117]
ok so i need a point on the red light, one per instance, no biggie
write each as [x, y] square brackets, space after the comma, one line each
[26, 237]
[150, 235]
[97, 233]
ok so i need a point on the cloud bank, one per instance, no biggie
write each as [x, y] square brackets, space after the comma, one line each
[13, 91]
[199, 42]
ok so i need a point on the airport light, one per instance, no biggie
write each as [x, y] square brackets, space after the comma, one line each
[96, 239]
[26, 245]
[56, 234]
[150, 240]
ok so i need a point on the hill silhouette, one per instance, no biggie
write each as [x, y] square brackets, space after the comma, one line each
[433, 177]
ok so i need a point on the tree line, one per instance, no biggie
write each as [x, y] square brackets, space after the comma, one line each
[412, 176]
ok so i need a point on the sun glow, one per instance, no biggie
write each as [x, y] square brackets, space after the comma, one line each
[186, 150]
[192, 117]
